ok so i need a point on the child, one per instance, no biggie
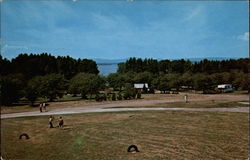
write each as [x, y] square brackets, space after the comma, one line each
[60, 122]
[50, 122]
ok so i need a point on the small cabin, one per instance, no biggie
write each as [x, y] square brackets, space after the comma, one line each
[225, 88]
[141, 86]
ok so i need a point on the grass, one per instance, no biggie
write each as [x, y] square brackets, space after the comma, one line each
[194, 104]
[203, 104]
[158, 135]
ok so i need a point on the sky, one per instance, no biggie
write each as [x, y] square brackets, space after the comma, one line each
[125, 28]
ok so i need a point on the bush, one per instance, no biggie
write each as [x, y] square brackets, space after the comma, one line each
[104, 97]
[119, 96]
[126, 96]
[98, 98]
[138, 95]
[113, 97]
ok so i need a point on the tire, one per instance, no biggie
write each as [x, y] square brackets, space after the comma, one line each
[132, 148]
[25, 135]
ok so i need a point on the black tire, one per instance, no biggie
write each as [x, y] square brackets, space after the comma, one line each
[132, 148]
[25, 135]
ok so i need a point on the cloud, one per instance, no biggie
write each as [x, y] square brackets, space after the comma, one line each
[6, 46]
[194, 13]
[244, 37]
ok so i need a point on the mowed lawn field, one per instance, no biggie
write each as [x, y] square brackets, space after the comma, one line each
[158, 135]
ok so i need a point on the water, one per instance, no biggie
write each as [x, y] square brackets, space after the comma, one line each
[106, 69]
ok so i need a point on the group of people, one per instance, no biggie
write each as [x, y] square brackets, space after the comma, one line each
[60, 122]
[42, 106]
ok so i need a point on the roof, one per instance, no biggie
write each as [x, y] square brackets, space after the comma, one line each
[140, 85]
[224, 85]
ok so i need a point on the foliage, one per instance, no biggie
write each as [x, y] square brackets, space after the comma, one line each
[86, 83]
[116, 80]
[53, 85]
[33, 89]
[143, 77]
[119, 96]
[12, 88]
[113, 97]
[41, 64]
[129, 91]
[138, 95]
[182, 66]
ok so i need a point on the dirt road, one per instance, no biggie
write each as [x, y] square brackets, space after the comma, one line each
[109, 107]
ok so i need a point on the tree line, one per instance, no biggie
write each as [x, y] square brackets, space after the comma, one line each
[166, 75]
[49, 77]
[181, 66]
[40, 75]
[31, 65]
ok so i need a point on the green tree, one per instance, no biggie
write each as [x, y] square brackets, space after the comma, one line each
[116, 80]
[144, 77]
[33, 90]
[129, 91]
[53, 86]
[85, 83]
[203, 82]
[12, 88]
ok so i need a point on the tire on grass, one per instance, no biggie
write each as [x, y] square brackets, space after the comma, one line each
[133, 148]
[25, 135]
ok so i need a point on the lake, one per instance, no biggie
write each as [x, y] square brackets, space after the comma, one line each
[106, 69]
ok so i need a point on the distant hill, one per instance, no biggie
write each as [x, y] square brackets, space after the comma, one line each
[211, 58]
[101, 61]
[109, 61]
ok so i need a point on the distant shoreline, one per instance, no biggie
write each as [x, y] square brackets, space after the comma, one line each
[107, 63]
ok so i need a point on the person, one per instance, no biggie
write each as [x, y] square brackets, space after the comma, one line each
[44, 106]
[50, 122]
[40, 107]
[186, 98]
[60, 122]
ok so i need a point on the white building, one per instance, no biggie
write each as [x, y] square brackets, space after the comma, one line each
[141, 86]
[225, 88]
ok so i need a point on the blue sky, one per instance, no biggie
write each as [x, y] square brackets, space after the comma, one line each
[121, 29]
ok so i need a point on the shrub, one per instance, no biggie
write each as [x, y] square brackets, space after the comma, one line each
[113, 97]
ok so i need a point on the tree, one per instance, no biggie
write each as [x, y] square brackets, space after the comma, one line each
[162, 83]
[129, 91]
[33, 89]
[87, 66]
[116, 81]
[186, 79]
[143, 77]
[85, 83]
[52, 86]
[203, 82]
[12, 88]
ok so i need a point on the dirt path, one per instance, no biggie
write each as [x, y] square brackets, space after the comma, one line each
[125, 105]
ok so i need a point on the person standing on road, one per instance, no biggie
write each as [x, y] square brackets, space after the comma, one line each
[44, 106]
[186, 98]
[41, 107]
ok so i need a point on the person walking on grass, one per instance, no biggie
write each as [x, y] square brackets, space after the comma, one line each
[51, 118]
[60, 122]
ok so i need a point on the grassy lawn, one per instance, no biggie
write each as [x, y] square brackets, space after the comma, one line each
[195, 104]
[158, 135]
[203, 104]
